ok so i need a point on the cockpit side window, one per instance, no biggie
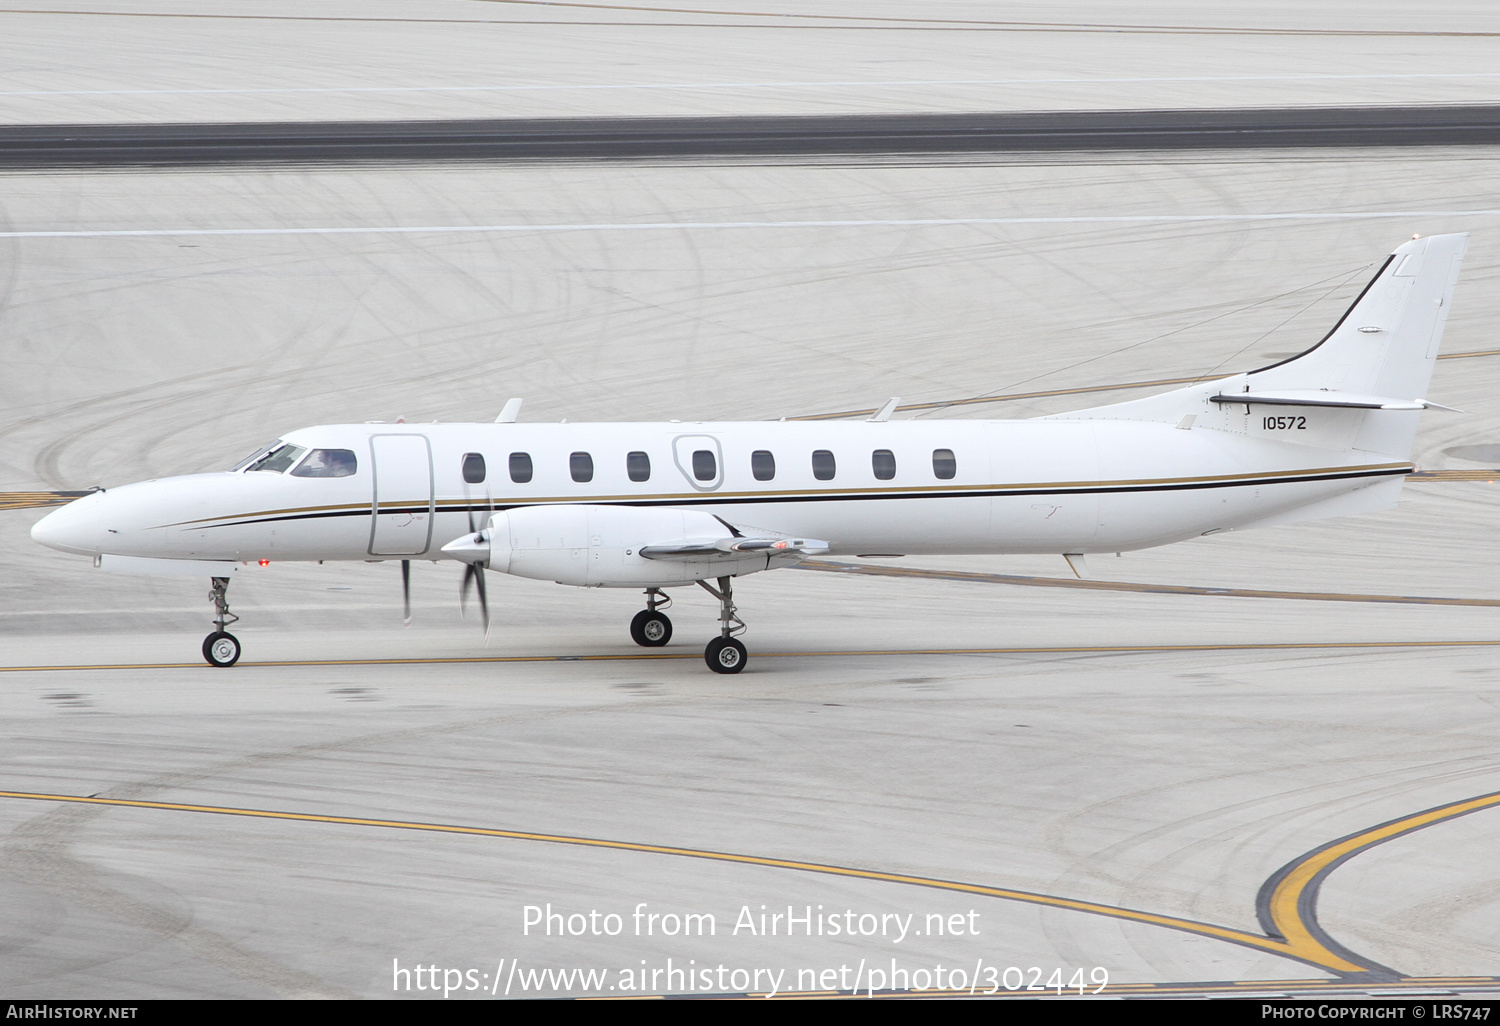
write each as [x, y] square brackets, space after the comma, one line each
[328, 463]
[278, 459]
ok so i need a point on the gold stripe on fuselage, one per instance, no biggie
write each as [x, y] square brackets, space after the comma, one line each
[935, 491]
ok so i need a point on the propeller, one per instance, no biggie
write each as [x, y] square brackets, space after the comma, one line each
[473, 571]
[474, 574]
[406, 592]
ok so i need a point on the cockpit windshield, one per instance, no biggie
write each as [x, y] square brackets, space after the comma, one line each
[277, 459]
[257, 454]
[328, 463]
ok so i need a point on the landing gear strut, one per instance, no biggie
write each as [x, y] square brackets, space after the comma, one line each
[725, 654]
[650, 627]
[221, 648]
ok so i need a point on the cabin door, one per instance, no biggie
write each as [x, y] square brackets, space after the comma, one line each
[700, 459]
[401, 513]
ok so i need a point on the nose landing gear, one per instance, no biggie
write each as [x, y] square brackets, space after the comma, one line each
[651, 628]
[221, 648]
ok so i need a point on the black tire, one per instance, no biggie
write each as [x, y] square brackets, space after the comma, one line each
[651, 630]
[221, 649]
[725, 655]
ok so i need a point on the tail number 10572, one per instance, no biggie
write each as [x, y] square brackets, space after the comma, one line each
[1284, 423]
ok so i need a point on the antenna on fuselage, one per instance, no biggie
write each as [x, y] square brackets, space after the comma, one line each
[884, 413]
[511, 411]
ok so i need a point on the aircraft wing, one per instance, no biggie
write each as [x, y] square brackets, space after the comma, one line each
[800, 547]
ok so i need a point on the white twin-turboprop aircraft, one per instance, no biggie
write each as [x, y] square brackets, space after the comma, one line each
[1326, 433]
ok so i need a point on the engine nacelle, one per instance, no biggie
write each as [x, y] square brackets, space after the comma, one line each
[600, 546]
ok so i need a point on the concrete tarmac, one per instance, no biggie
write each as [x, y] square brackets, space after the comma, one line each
[144, 61]
[1055, 778]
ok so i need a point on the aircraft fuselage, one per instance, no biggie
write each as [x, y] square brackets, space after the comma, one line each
[942, 487]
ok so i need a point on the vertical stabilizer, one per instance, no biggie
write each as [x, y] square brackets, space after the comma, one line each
[1367, 378]
[1386, 343]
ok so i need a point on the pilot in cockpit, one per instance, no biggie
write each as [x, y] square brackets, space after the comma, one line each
[328, 463]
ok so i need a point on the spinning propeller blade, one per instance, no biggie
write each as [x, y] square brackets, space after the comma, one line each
[474, 573]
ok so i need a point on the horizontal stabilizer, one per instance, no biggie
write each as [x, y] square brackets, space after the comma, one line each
[1319, 397]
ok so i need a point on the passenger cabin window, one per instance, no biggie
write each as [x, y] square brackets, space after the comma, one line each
[474, 468]
[638, 466]
[762, 465]
[520, 467]
[278, 459]
[327, 463]
[883, 462]
[944, 466]
[705, 465]
[823, 465]
[581, 466]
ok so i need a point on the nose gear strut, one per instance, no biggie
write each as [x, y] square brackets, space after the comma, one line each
[651, 628]
[221, 648]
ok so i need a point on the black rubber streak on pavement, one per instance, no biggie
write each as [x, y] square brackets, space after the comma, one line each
[342, 142]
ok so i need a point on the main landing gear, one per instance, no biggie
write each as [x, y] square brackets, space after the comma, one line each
[221, 648]
[725, 654]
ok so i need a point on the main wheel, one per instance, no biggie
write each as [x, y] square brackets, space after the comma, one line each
[650, 629]
[725, 655]
[221, 649]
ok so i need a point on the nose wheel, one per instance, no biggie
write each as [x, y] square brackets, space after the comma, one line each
[221, 648]
[651, 628]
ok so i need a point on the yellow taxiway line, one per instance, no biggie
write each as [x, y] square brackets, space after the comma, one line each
[1060, 650]
[1490, 475]
[33, 500]
[1290, 903]
[1288, 900]
[1308, 952]
[1337, 989]
[970, 576]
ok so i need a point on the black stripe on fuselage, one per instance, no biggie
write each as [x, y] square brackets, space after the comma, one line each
[751, 500]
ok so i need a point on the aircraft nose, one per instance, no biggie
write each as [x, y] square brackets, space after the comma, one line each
[78, 527]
